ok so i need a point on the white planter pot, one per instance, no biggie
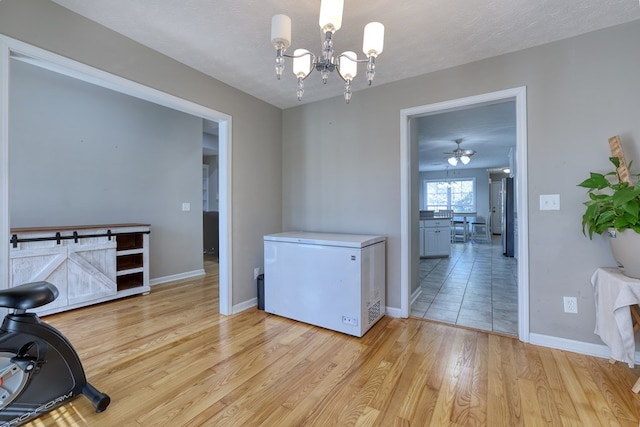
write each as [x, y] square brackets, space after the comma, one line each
[625, 246]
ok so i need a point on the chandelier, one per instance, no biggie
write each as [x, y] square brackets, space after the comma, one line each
[346, 64]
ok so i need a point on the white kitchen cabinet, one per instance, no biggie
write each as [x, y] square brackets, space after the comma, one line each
[88, 264]
[435, 237]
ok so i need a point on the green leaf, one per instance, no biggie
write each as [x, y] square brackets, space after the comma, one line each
[597, 181]
[625, 195]
[632, 210]
[615, 161]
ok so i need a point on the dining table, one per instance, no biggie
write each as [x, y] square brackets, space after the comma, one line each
[465, 221]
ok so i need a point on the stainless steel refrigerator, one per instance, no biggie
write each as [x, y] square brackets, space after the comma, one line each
[508, 220]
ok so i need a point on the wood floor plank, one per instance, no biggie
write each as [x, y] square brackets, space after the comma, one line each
[503, 406]
[391, 402]
[169, 359]
[449, 376]
[479, 391]
[573, 382]
[544, 396]
[461, 412]
[597, 400]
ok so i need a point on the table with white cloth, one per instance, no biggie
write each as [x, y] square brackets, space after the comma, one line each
[616, 298]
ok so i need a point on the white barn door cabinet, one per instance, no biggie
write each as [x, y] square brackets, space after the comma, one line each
[88, 264]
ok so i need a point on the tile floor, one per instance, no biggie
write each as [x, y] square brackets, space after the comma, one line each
[475, 287]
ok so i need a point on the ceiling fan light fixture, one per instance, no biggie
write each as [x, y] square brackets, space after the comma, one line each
[459, 155]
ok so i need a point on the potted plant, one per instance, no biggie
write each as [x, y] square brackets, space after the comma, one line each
[614, 207]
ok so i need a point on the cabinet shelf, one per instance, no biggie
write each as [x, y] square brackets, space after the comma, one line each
[129, 252]
[130, 271]
[130, 241]
[130, 281]
[127, 262]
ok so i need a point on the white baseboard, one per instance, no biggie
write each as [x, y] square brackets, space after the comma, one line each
[394, 312]
[589, 349]
[253, 302]
[180, 276]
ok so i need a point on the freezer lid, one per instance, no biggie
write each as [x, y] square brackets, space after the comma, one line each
[326, 239]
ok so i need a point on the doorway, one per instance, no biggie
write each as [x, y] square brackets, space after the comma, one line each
[12, 49]
[410, 206]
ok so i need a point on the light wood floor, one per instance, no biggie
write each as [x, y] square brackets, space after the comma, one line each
[169, 359]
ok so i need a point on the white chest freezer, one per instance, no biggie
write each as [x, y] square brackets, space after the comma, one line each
[335, 281]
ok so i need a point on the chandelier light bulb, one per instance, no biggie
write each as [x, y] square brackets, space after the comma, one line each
[465, 160]
[331, 15]
[301, 62]
[348, 65]
[373, 40]
[452, 161]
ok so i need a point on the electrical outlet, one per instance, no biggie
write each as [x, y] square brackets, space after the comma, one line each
[570, 304]
[256, 273]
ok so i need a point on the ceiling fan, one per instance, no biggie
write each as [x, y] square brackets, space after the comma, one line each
[460, 155]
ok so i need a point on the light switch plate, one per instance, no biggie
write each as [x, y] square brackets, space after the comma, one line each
[186, 207]
[549, 202]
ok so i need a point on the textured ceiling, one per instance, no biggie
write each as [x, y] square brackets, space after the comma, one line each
[490, 130]
[230, 39]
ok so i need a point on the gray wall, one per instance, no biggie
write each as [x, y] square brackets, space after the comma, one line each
[342, 163]
[256, 146]
[81, 154]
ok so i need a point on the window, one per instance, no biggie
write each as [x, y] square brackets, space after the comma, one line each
[457, 195]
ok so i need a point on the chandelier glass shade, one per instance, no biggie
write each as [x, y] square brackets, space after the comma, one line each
[346, 64]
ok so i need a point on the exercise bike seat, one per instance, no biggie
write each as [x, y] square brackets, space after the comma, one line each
[28, 295]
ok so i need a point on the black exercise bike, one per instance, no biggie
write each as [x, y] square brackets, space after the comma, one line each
[39, 369]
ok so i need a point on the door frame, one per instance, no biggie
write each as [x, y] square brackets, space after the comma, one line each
[10, 47]
[407, 264]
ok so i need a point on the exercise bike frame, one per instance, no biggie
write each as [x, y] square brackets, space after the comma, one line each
[54, 370]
